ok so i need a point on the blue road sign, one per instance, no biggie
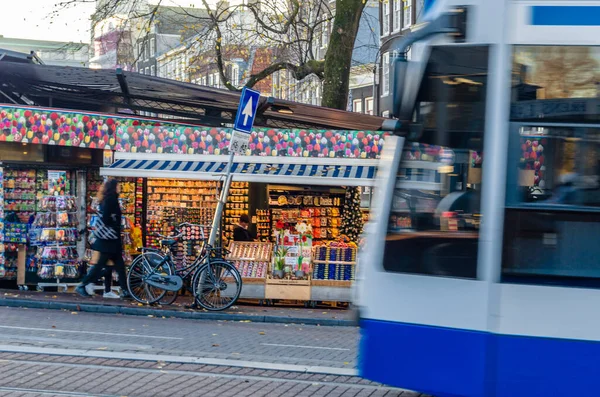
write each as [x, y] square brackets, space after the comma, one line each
[244, 120]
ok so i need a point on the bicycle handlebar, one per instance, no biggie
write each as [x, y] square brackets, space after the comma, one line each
[169, 237]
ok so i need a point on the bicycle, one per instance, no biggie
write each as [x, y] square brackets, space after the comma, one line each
[216, 283]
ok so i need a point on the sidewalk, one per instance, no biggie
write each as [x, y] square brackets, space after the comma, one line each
[244, 312]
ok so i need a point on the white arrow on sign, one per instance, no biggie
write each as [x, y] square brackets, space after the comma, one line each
[247, 112]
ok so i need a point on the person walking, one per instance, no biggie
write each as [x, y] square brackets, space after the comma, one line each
[111, 250]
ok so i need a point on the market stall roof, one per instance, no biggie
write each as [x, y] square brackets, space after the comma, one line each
[292, 170]
[117, 91]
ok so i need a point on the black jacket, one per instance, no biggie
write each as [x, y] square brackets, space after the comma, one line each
[111, 216]
[241, 234]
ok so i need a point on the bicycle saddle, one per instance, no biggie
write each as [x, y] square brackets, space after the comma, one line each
[168, 243]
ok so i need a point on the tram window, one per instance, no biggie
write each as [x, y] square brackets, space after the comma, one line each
[434, 221]
[556, 83]
[551, 247]
[557, 167]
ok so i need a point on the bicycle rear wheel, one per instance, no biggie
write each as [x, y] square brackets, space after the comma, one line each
[217, 286]
[141, 267]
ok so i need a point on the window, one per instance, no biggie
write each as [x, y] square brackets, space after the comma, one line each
[153, 70]
[147, 71]
[217, 80]
[235, 75]
[385, 113]
[434, 219]
[385, 22]
[385, 74]
[142, 71]
[397, 18]
[369, 106]
[553, 82]
[211, 82]
[357, 106]
[152, 47]
[204, 80]
[141, 50]
[325, 34]
[408, 16]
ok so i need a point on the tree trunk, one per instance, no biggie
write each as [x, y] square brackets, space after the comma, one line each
[338, 59]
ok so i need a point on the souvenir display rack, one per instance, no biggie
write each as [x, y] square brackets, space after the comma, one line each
[334, 270]
[190, 244]
[15, 240]
[20, 192]
[171, 202]
[252, 259]
[321, 210]
[57, 238]
[237, 205]
[263, 225]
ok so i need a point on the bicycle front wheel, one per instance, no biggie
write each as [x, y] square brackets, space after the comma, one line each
[144, 265]
[217, 285]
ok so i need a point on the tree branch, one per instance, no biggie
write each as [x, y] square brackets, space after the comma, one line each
[299, 72]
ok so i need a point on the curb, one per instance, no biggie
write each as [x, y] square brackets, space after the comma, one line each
[146, 311]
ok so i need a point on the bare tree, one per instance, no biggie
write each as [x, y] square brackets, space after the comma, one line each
[305, 37]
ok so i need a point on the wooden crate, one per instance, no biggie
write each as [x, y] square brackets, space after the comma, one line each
[287, 289]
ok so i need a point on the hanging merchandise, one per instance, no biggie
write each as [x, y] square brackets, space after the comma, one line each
[57, 236]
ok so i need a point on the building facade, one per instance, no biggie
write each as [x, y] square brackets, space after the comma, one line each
[397, 17]
[56, 53]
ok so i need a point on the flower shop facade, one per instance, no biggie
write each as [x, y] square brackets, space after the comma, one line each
[302, 189]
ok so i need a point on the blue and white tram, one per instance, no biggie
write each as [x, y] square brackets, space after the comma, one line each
[481, 273]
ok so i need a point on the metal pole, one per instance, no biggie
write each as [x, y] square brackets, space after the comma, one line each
[221, 203]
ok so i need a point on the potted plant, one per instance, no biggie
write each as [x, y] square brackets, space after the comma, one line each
[304, 231]
[279, 264]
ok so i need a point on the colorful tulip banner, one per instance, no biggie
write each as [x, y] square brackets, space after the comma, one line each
[135, 135]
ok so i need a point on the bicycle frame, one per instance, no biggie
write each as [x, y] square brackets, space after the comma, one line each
[186, 271]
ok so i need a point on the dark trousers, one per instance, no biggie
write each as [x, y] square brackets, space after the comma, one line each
[101, 267]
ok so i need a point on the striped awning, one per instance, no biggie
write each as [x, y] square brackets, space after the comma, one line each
[342, 172]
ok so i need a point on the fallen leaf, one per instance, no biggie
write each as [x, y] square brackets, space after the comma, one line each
[214, 335]
[101, 348]
[140, 304]
[261, 333]
[54, 326]
[54, 296]
[346, 363]
[150, 315]
[73, 312]
[245, 321]
[216, 345]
